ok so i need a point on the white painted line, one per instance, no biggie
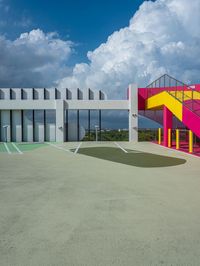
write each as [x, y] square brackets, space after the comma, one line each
[119, 146]
[78, 148]
[58, 147]
[15, 146]
[6, 146]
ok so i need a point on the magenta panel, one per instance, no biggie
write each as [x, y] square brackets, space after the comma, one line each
[145, 93]
[191, 120]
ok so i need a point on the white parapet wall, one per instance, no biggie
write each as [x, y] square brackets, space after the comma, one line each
[23, 111]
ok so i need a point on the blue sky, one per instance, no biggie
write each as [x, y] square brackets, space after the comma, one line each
[85, 22]
[103, 45]
[98, 44]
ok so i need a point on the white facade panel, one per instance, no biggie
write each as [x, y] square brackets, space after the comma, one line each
[50, 93]
[5, 93]
[39, 92]
[96, 95]
[27, 104]
[74, 94]
[85, 94]
[62, 93]
[16, 94]
[95, 105]
[28, 93]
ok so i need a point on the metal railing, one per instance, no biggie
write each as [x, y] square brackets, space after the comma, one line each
[182, 92]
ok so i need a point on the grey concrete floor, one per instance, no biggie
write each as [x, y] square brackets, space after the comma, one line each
[60, 208]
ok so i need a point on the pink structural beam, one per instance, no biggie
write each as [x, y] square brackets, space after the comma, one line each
[145, 93]
[167, 123]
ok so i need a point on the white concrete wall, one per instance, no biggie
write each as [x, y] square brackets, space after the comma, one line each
[96, 104]
[5, 93]
[54, 132]
[39, 93]
[133, 112]
[60, 128]
[51, 93]
[62, 93]
[28, 93]
[74, 94]
[96, 94]
[27, 104]
[85, 94]
[16, 93]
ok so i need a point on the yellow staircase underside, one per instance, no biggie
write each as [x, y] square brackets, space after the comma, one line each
[173, 101]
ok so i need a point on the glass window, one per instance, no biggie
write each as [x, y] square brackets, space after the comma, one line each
[114, 125]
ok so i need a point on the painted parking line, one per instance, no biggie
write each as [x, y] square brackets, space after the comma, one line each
[18, 150]
[7, 149]
[58, 147]
[77, 148]
[119, 146]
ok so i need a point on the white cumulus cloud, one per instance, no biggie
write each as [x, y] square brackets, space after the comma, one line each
[34, 59]
[162, 37]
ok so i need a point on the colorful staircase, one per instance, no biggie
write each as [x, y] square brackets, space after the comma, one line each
[184, 104]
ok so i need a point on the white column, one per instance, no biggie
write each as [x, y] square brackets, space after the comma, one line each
[60, 129]
[133, 112]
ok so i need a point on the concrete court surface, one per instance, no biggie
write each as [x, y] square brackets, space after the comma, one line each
[61, 208]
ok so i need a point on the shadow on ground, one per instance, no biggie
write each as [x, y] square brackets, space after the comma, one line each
[133, 157]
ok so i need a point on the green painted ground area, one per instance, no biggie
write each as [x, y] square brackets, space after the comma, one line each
[11, 147]
[29, 147]
[61, 208]
[2, 148]
[22, 147]
[133, 157]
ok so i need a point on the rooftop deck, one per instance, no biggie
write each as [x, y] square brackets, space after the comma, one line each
[99, 204]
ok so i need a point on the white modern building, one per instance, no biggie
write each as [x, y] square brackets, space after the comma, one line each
[41, 114]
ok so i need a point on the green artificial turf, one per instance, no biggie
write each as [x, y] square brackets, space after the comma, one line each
[133, 157]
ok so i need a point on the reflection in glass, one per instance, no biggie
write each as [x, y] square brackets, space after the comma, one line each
[50, 125]
[114, 125]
